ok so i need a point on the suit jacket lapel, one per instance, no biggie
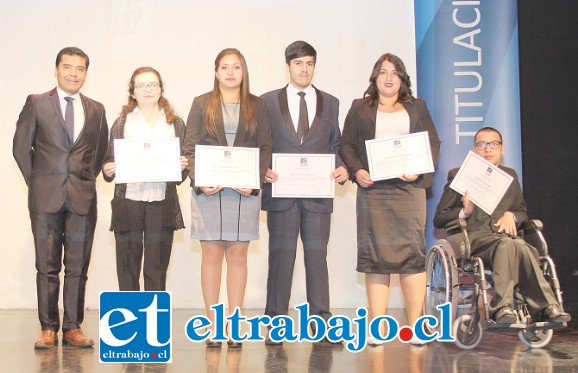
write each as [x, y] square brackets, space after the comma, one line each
[220, 126]
[370, 116]
[54, 99]
[318, 112]
[57, 108]
[412, 114]
[284, 107]
[240, 135]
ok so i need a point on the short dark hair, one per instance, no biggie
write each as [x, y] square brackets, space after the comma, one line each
[487, 129]
[298, 49]
[72, 51]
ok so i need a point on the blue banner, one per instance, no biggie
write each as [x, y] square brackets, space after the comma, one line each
[467, 72]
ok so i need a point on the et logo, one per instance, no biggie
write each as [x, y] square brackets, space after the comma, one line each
[135, 327]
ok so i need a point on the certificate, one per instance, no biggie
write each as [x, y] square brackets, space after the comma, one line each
[393, 157]
[304, 175]
[140, 161]
[227, 166]
[485, 183]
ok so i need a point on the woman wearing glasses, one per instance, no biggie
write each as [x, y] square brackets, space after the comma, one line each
[390, 213]
[226, 219]
[144, 214]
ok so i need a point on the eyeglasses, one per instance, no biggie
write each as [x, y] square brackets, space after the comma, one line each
[492, 144]
[143, 86]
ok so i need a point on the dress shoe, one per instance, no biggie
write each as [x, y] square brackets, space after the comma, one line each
[326, 340]
[554, 313]
[270, 342]
[47, 339]
[505, 315]
[76, 338]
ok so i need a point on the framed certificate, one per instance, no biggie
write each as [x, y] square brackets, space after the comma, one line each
[140, 161]
[393, 157]
[227, 166]
[485, 183]
[303, 175]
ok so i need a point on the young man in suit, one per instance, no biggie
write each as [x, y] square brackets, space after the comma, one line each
[493, 239]
[59, 145]
[304, 120]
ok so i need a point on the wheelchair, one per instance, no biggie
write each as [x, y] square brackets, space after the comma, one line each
[455, 276]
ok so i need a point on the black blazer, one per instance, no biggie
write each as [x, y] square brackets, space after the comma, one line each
[323, 137]
[52, 167]
[360, 126]
[196, 133]
[171, 209]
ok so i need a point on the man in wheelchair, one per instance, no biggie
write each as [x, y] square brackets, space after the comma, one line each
[494, 239]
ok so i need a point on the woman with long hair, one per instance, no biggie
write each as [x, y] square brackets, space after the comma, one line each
[391, 214]
[144, 214]
[225, 220]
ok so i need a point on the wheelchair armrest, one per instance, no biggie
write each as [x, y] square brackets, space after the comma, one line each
[531, 232]
[531, 224]
[455, 226]
[459, 226]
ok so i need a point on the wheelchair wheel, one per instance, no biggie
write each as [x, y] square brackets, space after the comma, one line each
[466, 340]
[441, 280]
[535, 338]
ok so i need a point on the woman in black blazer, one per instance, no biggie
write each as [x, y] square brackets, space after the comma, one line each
[390, 213]
[226, 219]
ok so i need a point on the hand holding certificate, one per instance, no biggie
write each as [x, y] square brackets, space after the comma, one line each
[227, 166]
[304, 175]
[485, 183]
[393, 157]
[139, 161]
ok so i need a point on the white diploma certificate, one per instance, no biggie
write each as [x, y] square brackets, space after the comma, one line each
[485, 183]
[140, 161]
[227, 166]
[393, 157]
[303, 175]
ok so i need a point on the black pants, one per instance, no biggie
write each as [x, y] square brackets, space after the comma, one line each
[62, 237]
[514, 263]
[146, 234]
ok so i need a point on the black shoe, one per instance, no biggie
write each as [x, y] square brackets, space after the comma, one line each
[270, 342]
[505, 315]
[553, 313]
[328, 342]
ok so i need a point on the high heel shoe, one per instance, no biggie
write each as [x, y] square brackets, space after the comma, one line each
[231, 343]
[212, 344]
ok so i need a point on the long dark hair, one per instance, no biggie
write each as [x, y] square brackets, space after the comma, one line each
[245, 102]
[163, 102]
[371, 95]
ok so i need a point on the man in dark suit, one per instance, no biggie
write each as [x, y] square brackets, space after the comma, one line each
[59, 145]
[316, 132]
[493, 239]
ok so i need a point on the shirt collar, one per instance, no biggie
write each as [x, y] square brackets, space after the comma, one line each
[62, 95]
[291, 90]
[136, 112]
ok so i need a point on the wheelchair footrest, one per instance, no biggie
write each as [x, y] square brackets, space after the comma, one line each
[492, 325]
[543, 325]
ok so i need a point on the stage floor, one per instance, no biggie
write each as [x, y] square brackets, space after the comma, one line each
[497, 352]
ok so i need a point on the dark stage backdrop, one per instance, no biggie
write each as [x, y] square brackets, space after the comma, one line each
[548, 34]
